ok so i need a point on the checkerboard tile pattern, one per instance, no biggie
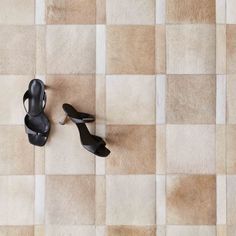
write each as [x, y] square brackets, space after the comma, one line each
[160, 76]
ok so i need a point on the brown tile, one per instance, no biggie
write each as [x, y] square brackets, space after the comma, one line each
[101, 11]
[76, 90]
[17, 231]
[160, 49]
[129, 145]
[191, 99]
[231, 49]
[71, 12]
[130, 49]
[231, 149]
[17, 49]
[70, 200]
[191, 11]
[131, 231]
[16, 154]
[191, 200]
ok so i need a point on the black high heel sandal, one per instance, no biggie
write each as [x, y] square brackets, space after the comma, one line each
[92, 143]
[37, 125]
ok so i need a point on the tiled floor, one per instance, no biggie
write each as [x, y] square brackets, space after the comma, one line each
[160, 75]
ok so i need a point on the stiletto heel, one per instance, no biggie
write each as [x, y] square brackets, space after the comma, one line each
[37, 125]
[92, 143]
[64, 120]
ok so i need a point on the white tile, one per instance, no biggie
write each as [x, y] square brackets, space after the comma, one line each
[39, 12]
[221, 99]
[100, 231]
[220, 11]
[160, 11]
[221, 199]
[161, 199]
[160, 96]
[100, 49]
[39, 199]
[231, 11]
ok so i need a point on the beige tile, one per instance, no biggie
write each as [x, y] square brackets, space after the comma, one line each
[71, 49]
[231, 230]
[231, 99]
[39, 230]
[160, 49]
[221, 199]
[161, 230]
[231, 149]
[161, 200]
[131, 231]
[129, 149]
[17, 49]
[16, 230]
[191, 200]
[70, 230]
[100, 200]
[220, 149]
[191, 99]
[191, 11]
[132, 12]
[194, 54]
[130, 50]
[197, 155]
[100, 99]
[17, 12]
[70, 200]
[191, 230]
[64, 153]
[123, 94]
[160, 149]
[101, 11]
[17, 200]
[71, 12]
[221, 11]
[231, 200]
[40, 50]
[222, 230]
[221, 49]
[77, 90]
[16, 154]
[125, 195]
[231, 11]
[231, 49]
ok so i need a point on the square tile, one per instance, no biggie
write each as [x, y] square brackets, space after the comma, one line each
[17, 56]
[125, 195]
[16, 154]
[70, 200]
[194, 54]
[231, 149]
[131, 230]
[231, 99]
[17, 12]
[71, 12]
[64, 153]
[132, 12]
[191, 11]
[71, 49]
[231, 48]
[231, 200]
[129, 150]
[231, 11]
[197, 155]
[191, 230]
[17, 230]
[191, 200]
[17, 200]
[76, 90]
[123, 94]
[130, 49]
[12, 110]
[191, 99]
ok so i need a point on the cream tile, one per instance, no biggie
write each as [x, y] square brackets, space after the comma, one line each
[231, 99]
[78, 90]
[17, 200]
[136, 12]
[231, 11]
[71, 12]
[17, 12]
[160, 11]
[195, 55]
[39, 230]
[100, 99]
[231, 200]
[220, 149]
[191, 231]
[161, 99]
[221, 49]
[160, 49]
[40, 12]
[160, 149]
[161, 230]
[191, 11]
[73, 56]
[221, 199]
[39, 203]
[131, 230]
[100, 200]
[101, 230]
[41, 50]
[16, 154]
[222, 230]
[17, 230]
[125, 195]
[17, 49]
[70, 200]
[231, 231]
[191, 200]
[64, 153]
[101, 49]
[197, 155]
[101, 11]
[70, 230]
[231, 149]
[128, 149]
[221, 99]
[160, 199]
[123, 94]
[191, 99]
[231, 49]
[130, 50]
[221, 11]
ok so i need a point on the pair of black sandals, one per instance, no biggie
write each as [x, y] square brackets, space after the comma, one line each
[37, 125]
